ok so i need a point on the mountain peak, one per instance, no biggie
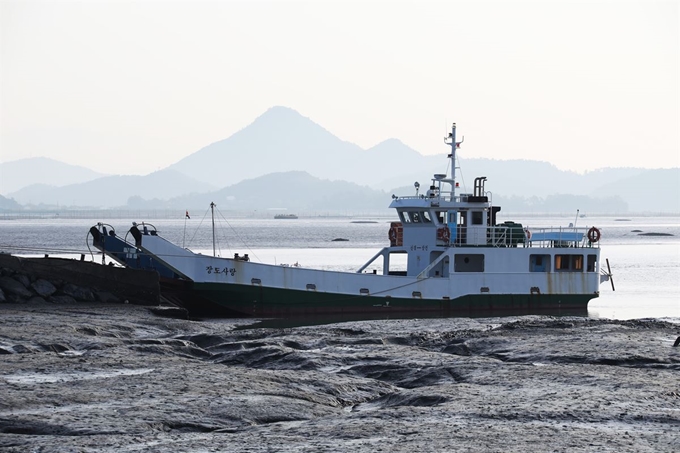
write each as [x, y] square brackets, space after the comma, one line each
[391, 142]
[280, 113]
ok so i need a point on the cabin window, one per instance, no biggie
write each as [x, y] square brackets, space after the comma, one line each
[592, 263]
[565, 263]
[462, 219]
[539, 263]
[415, 216]
[577, 262]
[468, 263]
[477, 218]
[426, 217]
[404, 218]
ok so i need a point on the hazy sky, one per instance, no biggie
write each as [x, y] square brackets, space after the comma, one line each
[132, 87]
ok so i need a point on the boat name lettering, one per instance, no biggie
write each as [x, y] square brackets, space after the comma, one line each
[219, 270]
[419, 247]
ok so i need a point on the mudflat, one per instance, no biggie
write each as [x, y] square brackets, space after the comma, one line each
[112, 378]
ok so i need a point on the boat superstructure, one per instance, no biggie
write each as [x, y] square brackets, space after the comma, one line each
[447, 255]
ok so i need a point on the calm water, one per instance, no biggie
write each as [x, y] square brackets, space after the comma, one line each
[646, 268]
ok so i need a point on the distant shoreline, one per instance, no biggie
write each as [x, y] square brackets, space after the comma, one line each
[145, 214]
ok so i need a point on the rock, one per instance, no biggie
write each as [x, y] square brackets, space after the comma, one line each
[78, 292]
[43, 288]
[340, 240]
[12, 286]
[655, 234]
[2, 296]
[15, 299]
[457, 349]
[106, 297]
[36, 300]
[23, 279]
[62, 299]
[170, 312]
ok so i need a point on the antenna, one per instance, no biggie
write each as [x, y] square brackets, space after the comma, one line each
[576, 219]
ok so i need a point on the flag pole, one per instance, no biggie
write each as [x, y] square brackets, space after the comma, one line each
[184, 236]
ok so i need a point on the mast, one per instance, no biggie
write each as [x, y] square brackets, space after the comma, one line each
[451, 141]
[212, 211]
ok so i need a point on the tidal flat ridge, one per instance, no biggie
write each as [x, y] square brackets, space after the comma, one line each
[112, 378]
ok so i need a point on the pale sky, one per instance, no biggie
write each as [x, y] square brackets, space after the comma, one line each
[132, 87]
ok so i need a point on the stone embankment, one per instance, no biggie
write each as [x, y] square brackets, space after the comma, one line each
[64, 281]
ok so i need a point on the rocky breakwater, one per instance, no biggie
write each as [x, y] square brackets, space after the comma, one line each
[64, 281]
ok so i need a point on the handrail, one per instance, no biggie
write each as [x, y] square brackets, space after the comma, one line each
[457, 199]
[516, 236]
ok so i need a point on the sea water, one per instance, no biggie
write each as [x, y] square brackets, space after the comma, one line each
[646, 269]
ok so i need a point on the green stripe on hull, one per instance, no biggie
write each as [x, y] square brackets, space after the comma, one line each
[275, 302]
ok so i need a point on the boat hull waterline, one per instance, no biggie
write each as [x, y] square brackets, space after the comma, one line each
[276, 302]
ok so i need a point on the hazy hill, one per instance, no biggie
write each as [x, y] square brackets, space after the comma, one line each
[392, 163]
[650, 191]
[24, 172]
[297, 191]
[8, 204]
[527, 178]
[112, 191]
[294, 190]
[279, 140]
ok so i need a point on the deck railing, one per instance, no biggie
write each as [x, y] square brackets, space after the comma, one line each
[517, 236]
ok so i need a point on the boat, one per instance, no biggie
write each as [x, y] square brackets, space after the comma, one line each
[458, 260]
[286, 216]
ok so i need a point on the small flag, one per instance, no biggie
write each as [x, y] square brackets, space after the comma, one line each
[458, 144]
[187, 215]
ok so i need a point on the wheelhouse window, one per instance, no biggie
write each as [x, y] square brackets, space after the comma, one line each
[477, 217]
[569, 263]
[468, 262]
[415, 217]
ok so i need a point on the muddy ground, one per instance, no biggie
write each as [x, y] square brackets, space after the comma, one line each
[112, 378]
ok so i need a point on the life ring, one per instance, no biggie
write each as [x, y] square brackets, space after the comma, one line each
[527, 233]
[393, 236]
[445, 234]
[593, 234]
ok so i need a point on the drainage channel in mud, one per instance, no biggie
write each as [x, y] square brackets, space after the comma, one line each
[43, 378]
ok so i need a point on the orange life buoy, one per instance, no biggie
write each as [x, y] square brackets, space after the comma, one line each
[593, 234]
[393, 236]
[444, 234]
[527, 233]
